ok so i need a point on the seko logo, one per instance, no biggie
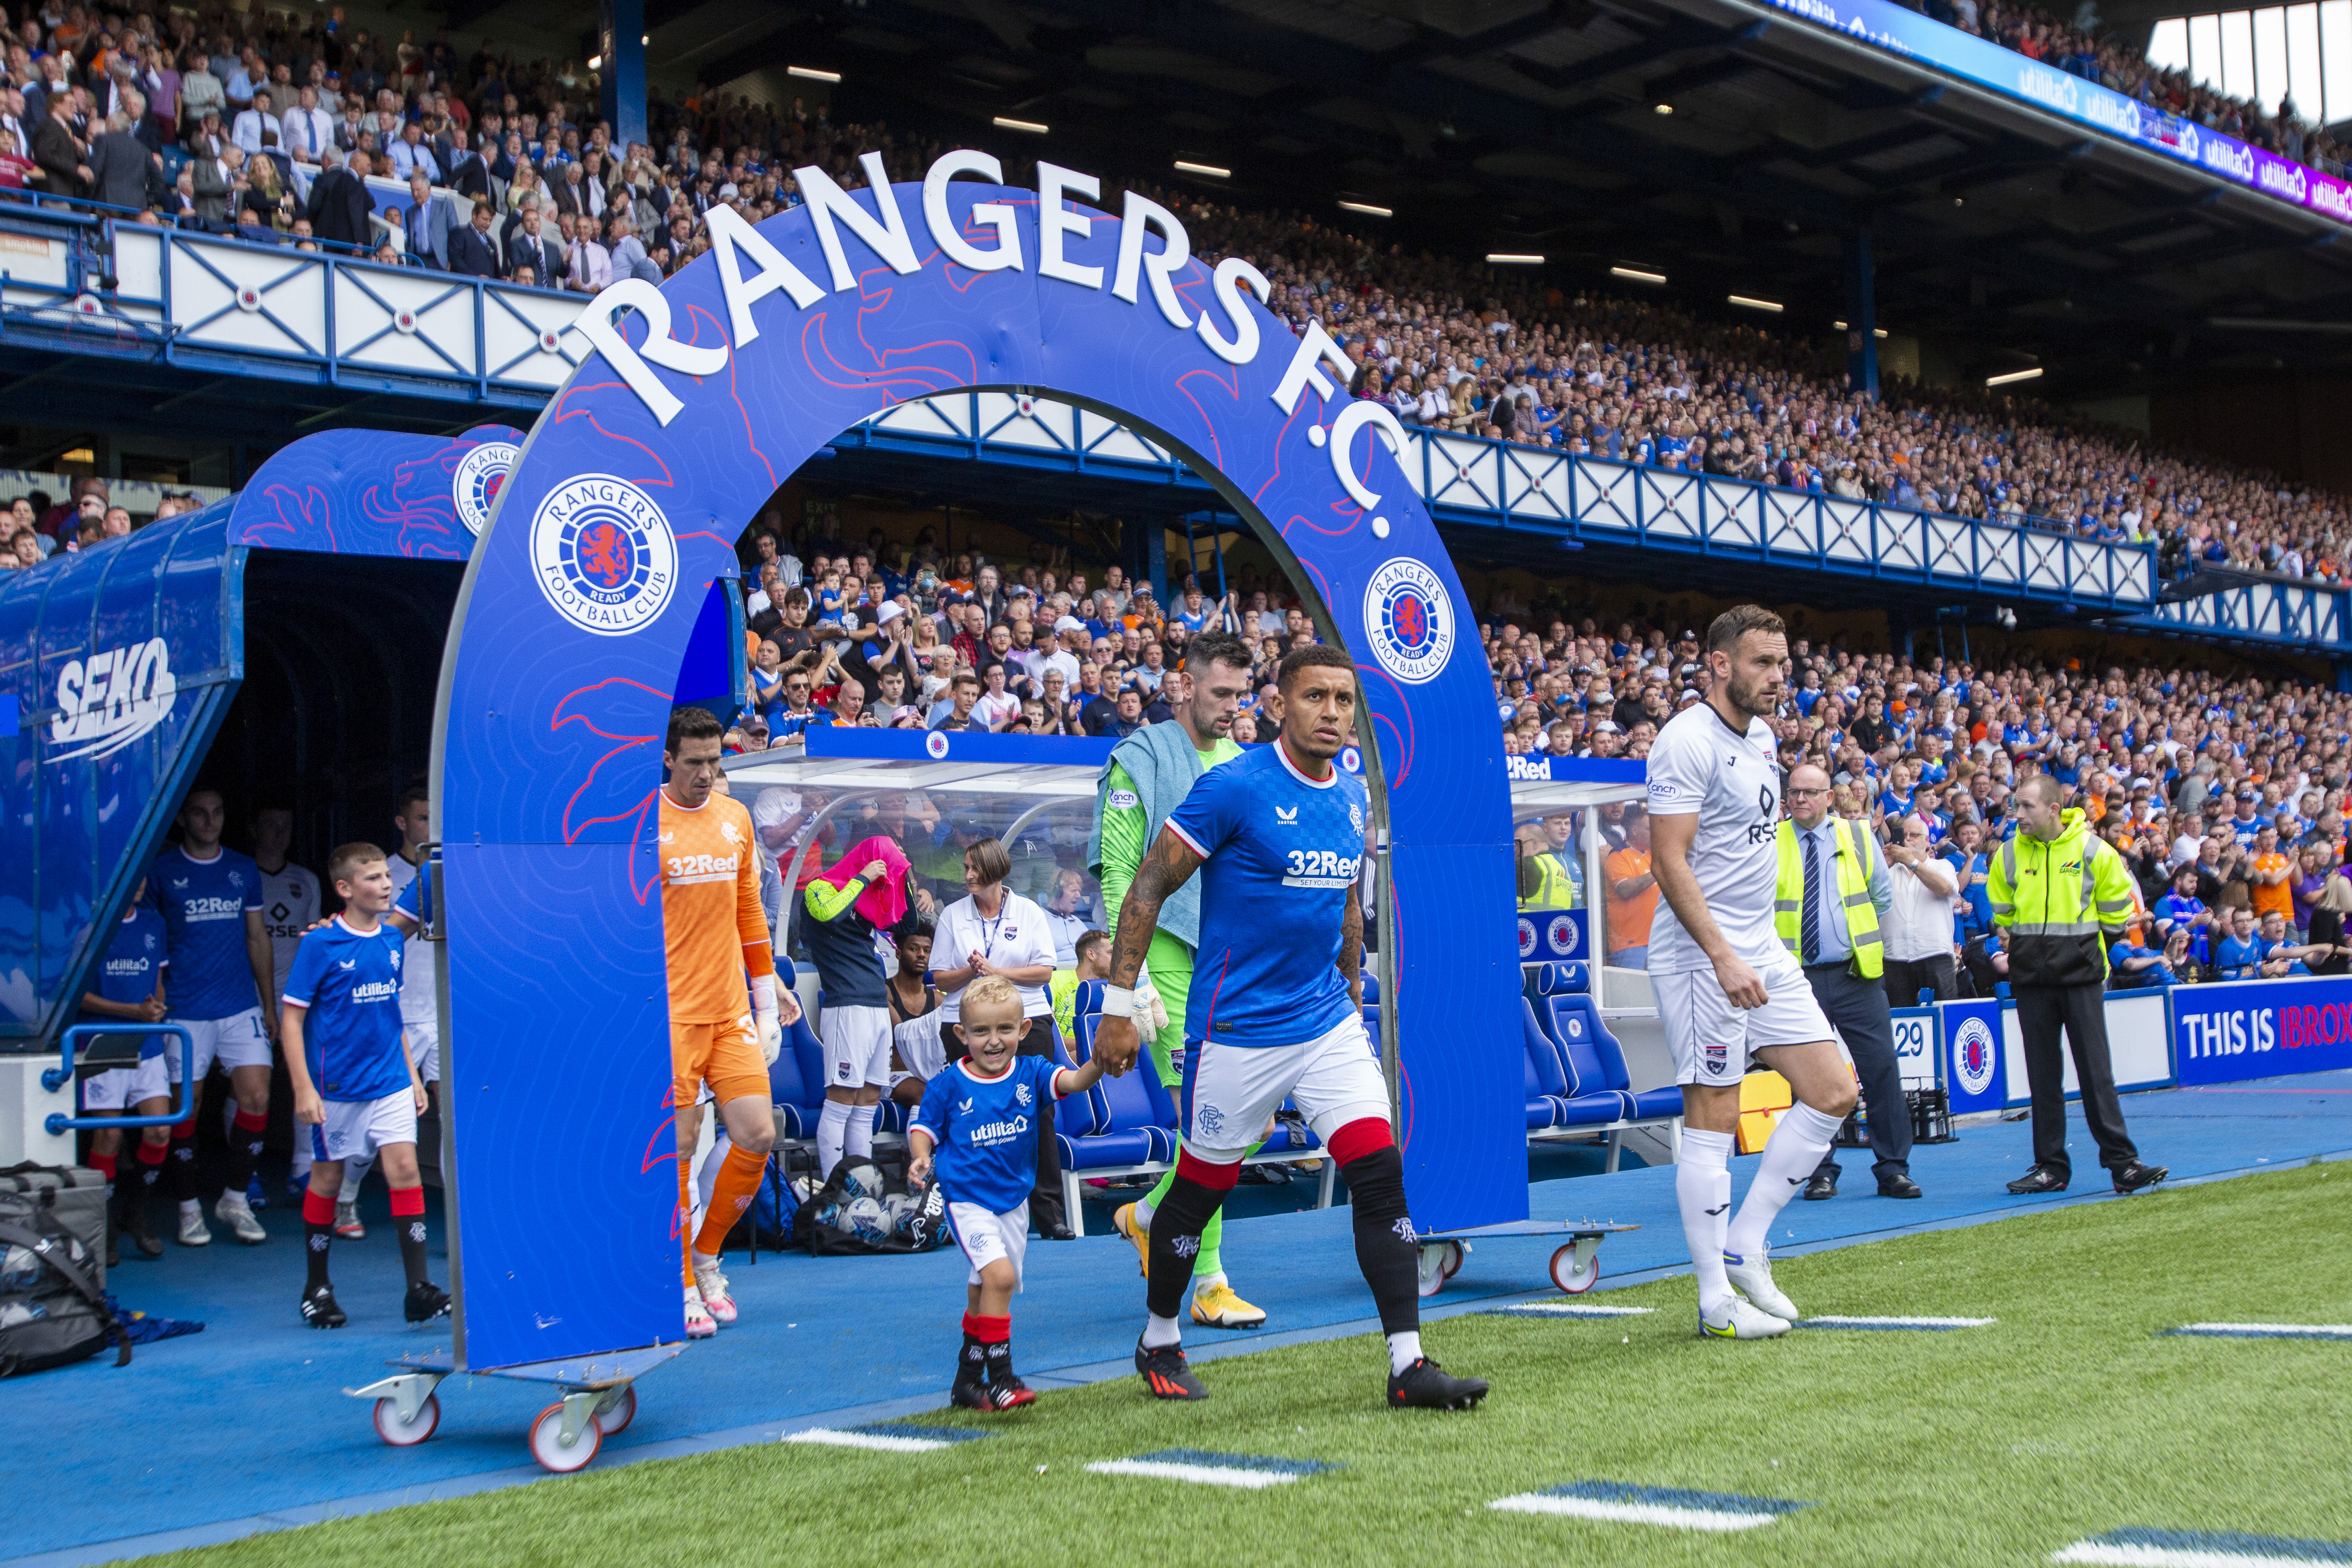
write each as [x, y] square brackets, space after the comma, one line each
[110, 700]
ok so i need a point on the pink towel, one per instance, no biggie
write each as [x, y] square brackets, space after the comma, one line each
[884, 902]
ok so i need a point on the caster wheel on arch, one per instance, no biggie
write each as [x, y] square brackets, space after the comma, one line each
[1569, 1277]
[615, 1418]
[408, 1434]
[547, 1442]
[1454, 1252]
[1432, 1270]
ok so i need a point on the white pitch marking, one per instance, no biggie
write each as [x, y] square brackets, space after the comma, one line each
[1199, 1475]
[833, 1437]
[1569, 1309]
[2110, 1554]
[1630, 1512]
[1898, 1323]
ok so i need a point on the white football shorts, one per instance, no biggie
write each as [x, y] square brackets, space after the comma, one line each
[356, 1129]
[1230, 1091]
[1713, 1041]
[856, 1043]
[121, 1089]
[985, 1237]
[236, 1041]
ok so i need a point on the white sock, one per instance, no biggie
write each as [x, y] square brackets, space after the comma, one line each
[1158, 1332]
[1208, 1281]
[1404, 1349]
[356, 1170]
[861, 1131]
[191, 1206]
[300, 1170]
[832, 1129]
[1789, 1159]
[707, 1178]
[1143, 1212]
[1703, 1191]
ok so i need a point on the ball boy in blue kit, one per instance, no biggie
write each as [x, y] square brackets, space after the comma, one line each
[354, 1086]
[980, 1115]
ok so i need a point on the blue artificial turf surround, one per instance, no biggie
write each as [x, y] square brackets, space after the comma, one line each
[825, 1340]
[1211, 1460]
[2226, 1542]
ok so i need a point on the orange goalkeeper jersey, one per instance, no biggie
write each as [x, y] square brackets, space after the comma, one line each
[711, 921]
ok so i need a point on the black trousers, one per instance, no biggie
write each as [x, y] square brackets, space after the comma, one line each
[2081, 1011]
[1858, 1008]
[1907, 977]
[1045, 1198]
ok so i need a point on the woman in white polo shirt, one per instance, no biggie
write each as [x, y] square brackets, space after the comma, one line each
[994, 930]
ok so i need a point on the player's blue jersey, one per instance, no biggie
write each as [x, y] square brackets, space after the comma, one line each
[135, 958]
[415, 900]
[1283, 852]
[204, 904]
[985, 1131]
[349, 983]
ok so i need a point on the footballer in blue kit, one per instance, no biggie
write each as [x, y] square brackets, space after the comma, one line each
[977, 1131]
[130, 986]
[355, 1089]
[222, 968]
[1275, 1012]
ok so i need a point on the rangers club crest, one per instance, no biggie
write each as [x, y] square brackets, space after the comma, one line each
[1527, 937]
[1563, 936]
[604, 554]
[1972, 1057]
[1409, 620]
[476, 485]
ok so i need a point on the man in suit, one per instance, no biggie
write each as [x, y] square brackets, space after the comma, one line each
[340, 206]
[472, 253]
[58, 151]
[427, 225]
[118, 164]
[588, 266]
[412, 154]
[464, 169]
[214, 181]
[527, 246]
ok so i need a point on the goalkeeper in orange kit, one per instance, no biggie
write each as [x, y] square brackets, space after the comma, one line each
[721, 1032]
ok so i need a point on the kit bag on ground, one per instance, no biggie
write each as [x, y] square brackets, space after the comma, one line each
[53, 1308]
[863, 1208]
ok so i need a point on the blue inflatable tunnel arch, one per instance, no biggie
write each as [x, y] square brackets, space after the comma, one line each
[620, 516]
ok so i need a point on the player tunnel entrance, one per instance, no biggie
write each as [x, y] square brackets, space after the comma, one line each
[624, 507]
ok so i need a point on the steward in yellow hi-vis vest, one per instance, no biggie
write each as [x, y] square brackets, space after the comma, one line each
[1853, 892]
[2057, 890]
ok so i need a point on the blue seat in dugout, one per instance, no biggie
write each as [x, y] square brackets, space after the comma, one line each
[1592, 1064]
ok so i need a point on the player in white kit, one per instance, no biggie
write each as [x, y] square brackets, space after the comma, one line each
[289, 906]
[1728, 992]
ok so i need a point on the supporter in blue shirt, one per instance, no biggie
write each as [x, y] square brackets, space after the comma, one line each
[2182, 909]
[2132, 967]
[2240, 955]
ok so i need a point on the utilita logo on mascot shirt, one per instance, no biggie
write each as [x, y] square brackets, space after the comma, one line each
[109, 700]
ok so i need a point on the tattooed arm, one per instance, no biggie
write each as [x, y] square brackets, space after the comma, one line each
[1167, 866]
[1351, 951]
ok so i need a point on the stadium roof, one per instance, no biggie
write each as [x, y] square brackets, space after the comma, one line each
[1537, 126]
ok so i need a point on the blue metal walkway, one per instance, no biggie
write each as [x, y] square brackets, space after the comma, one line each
[280, 1444]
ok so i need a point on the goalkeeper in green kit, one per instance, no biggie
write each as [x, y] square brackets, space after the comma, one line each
[1148, 776]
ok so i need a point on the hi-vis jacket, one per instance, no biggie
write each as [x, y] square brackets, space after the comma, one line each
[2055, 899]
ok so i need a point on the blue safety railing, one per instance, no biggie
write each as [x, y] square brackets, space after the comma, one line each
[62, 1076]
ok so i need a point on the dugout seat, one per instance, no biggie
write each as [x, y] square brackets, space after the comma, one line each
[1586, 1067]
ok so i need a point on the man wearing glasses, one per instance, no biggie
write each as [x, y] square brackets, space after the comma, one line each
[1834, 882]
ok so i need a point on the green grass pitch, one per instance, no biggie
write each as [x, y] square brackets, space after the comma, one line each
[2000, 1444]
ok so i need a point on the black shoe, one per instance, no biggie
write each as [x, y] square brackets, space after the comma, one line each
[2133, 1176]
[142, 1235]
[1898, 1185]
[1821, 1188]
[1426, 1385]
[1165, 1373]
[2041, 1179]
[992, 1396]
[318, 1308]
[1058, 1231]
[426, 1302]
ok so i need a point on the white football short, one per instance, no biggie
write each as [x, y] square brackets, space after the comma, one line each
[856, 1043]
[121, 1089]
[1713, 1041]
[985, 1237]
[239, 1041]
[1230, 1091]
[356, 1129]
[423, 1038]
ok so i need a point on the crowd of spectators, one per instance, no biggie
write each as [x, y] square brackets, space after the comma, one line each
[2080, 47]
[511, 177]
[35, 528]
[2227, 797]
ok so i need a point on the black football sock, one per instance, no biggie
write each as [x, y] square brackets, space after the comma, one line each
[1386, 1249]
[999, 1361]
[408, 1218]
[318, 1235]
[1176, 1226]
[183, 1162]
[971, 1361]
[245, 1151]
